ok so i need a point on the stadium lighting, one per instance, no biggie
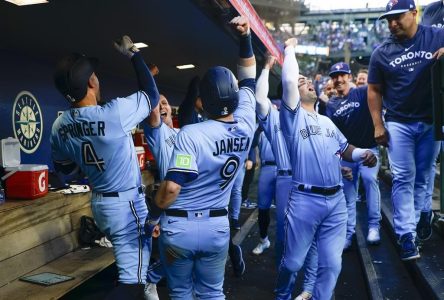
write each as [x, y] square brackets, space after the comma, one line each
[183, 67]
[140, 45]
[26, 2]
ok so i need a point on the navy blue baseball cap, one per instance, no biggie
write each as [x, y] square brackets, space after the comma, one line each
[395, 7]
[72, 75]
[339, 68]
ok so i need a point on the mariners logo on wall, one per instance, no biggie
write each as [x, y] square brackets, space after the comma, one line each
[27, 121]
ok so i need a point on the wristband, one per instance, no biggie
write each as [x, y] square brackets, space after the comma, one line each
[357, 153]
[245, 47]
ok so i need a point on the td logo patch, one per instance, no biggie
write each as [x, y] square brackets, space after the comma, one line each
[183, 161]
[27, 122]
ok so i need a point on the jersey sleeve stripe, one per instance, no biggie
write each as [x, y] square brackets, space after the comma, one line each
[148, 99]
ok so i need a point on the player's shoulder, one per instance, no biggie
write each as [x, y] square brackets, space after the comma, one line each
[432, 7]
[325, 119]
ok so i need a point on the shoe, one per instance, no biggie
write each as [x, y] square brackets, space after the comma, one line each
[237, 261]
[373, 237]
[419, 244]
[234, 223]
[409, 250]
[424, 227]
[263, 245]
[304, 296]
[347, 245]
[249, 205]
[150, 291]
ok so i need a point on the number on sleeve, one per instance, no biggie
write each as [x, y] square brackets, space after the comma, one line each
[228, 171]
[90, 157]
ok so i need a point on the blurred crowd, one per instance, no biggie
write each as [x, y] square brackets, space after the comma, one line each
[356, 35]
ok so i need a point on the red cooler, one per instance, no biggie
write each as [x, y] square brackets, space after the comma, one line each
[27, 182]
[141, 157]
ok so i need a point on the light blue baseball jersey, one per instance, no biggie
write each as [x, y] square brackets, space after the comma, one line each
[316, 144]
[273, 132]
[98, 139]
[161, 141]
[265, 152]
[214, 150]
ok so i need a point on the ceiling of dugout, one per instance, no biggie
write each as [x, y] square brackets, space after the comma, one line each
[176, 31]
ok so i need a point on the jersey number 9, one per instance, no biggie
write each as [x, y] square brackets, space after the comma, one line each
[228, 171]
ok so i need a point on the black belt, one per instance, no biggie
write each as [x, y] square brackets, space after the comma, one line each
[268, 163]
[116, 194]
[285, 173]
[320, 190]
[184, 213]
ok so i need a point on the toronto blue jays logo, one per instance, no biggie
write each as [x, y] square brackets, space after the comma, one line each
[392, 3]
[338, 67]
[27, 122]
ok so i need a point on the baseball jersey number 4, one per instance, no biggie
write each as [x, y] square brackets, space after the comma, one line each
[90, 157]
[228, 171]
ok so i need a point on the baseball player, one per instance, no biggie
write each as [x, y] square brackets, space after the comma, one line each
[160, 136]
[349, 110]
[266, 190]
[98, 140]
[361, 77]
[399, 77]
[316, 210]
[190, 110]
[196, 190]
[433, 15]
[268, 116]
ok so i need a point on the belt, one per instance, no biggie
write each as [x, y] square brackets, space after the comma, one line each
[285, 173]
[268, 163]
[319, 190]
[116, 194]
[184, 213]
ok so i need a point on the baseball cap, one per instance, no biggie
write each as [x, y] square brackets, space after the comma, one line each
[395, 7]
[339, 68]
[72, 75]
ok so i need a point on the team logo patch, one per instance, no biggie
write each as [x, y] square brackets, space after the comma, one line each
[392, 3]
[27, 122]
[183, 161]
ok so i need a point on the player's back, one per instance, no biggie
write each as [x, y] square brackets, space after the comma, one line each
[99, 141]
[219, 149]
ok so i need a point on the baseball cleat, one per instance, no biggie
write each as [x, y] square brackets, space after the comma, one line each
[150, 291]
[303, 296]
[263, 245]
[409, 250]
[237, 261]
[424, 227]
[373, 237]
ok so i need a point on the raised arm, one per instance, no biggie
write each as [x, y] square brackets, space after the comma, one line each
[144, 78]
[262, 88]
[290, 75]
[374, 99]
[187, 107]
[246, 68]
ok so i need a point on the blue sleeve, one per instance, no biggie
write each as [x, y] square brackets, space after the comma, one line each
[145, 79]
[375, 75]
[179, 177]
[187, 114]
[249, 83]
[254, 144]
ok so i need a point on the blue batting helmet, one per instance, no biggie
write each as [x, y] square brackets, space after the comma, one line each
[219, 92]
